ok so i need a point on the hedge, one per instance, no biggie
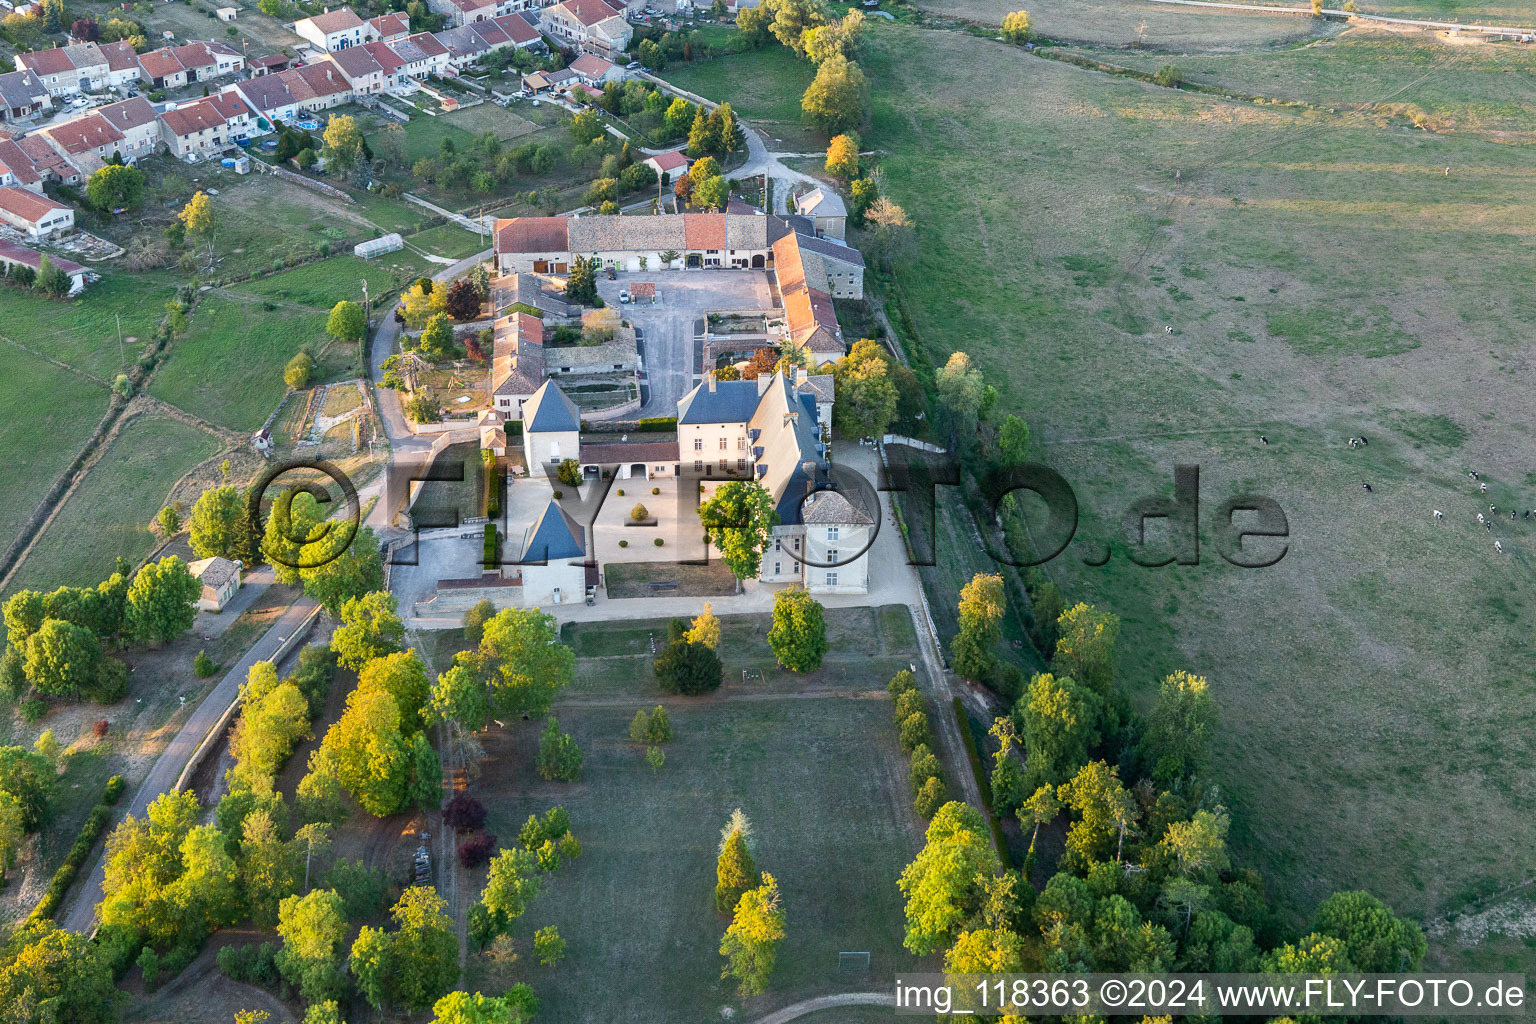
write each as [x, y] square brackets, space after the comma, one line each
[489, 546]
[656, 424]
[983, 783]
[95, 823]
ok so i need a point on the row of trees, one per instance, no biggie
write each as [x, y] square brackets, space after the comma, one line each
[916, 735]
[751, 942]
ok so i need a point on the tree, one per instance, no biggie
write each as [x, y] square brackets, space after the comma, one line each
[735, 870]
[679, 117]
[161, 600]
[357, 568]
[1018, 27]
[1199, 846]
[1177, 740]
[475, 620]
[1013, 441]
[961, 390]
[463, 302]
[836, 39]
[688, 668]
[892, 229]
[1168, 76]
[711, 193]
[798, 635]
[437, 337]
[548, 946]
[740, 519]
[50, 280]
[867, 396]
[367, 752]
[1041, 807]
[370, 628]
[1105, 812]
[945, 883]
[343, 142]
[586, 127]
[651, 727]
[1085, 647]
[312, 928]
[751, 943]
[12, 831]
[527, 664]
[32, 779]
[62, 659]
[297, 372]
[581, 283]
[347, 322]
[1375, 940]
[733, 137]
[424, 951]
[703, 134]
[115, 187]
[838, 97]
[402, 675]
[274, 717]
[220, 525]
[705, 628]
[55, 975]
[202, 223]
[511, 883]
[981, 627]
[843, 156]
[464, 1008]
[559, 756]
[682, 188]
[369, 963]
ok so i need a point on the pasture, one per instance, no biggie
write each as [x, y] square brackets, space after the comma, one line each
[1323, 279]
[1133, 23]
[812, 760]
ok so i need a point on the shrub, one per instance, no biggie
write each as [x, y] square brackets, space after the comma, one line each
[900, 683]
[623, 543]
[33, 709]
[100, 729]
[477, 851]
[1168, 76]
[656, 424]
[464, 814]
[659, 542]
[908, 703]
[655, 490]
[639, 514]
[569, 473]
[931, 797]
[203, 666]
[914, 732]
[620, 492]
[114, 791]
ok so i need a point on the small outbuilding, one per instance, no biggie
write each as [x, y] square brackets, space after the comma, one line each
[220, 578]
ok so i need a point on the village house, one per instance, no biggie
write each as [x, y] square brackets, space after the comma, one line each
[387, 28]
[333, 30]
[135, 118]
[547, 245]
[465, 12]
[205, 61]
[269, 97]
[594, 71]
[59, 72]
[23, 95]
[825, 209]
[317, 87]
[361, 70]
[162, 70]
[551, 428]
[123, 70]
[86, 142]
[671, 165]
[220, 579]
[36, 216]
[552, 559]
[16, 168]
[203, 129]
[583, 22]
[517, 362]
[12, 254]
[420, 55]
[50, 164]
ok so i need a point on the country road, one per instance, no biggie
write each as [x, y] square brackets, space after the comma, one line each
[168, 766]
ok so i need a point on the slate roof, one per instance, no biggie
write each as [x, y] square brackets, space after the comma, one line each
[833, 508]
[549, 410]
[618, 452]
[831, 249]
[21, 89]
[517, 359]
[267, 92]
[355, 62]
[553, 536]
[427, 43]
[123, 115]
[731, 401]
[213, 572]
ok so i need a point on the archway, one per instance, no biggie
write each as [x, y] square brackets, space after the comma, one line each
[637, 471]
[757, 262]
[695, 261]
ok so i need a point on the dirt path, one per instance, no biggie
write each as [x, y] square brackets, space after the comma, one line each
[797, 1010]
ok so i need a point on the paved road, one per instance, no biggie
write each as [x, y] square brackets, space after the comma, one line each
[168, 766]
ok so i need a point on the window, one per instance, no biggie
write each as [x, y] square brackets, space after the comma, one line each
[723, 444]
[698, 444]
[741, 444]
[776, 568]
[724, 464]
[698, 465]
[778, 544]
[831, 533]
[741, 464]
[832, 556]
[831, 579]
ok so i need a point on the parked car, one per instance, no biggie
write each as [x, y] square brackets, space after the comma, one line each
[624, 295]
[633, 65]
[613, 272]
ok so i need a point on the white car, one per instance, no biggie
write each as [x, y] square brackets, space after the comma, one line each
[624, 295]
[81, 101]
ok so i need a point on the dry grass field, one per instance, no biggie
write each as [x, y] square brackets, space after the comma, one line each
[1134, 23]
[1323, 278]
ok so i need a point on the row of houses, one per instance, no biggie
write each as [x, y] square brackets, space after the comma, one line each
[812, 267]
[42, 76]
[589, 24]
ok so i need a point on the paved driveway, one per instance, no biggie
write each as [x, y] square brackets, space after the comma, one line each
[669, 326]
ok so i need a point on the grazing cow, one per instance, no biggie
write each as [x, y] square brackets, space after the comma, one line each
[1491, 509]
[1439, 514]
[1367, 487]
[1472, 473]
[1480, 518]
[1498, 547]
[1263, 440]
[1484, 488]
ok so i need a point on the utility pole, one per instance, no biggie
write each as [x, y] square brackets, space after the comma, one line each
[121, 359]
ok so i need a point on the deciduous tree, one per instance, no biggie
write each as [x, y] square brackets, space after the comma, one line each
[161, 601]
[843, 156]
[370, 628]
[798, 635]
[740, 518]
[1179, 729]
[945, 885]
[116, 187]
[347, 321]
[838, 97]
[220, 525]
[751, 943]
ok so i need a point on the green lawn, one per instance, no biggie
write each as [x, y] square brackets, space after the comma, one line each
[822, 779]
[83, 331]
[765, 84]
[391, 214]
[328, 282]
[228, 368]
[450, 240]
[1324, 278]
[50, 413]
[110, 513]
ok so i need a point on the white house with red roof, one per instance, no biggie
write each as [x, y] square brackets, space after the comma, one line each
[360, 69]
[595, 71]
[421, 55]
[333, 30]
[137, 121]
[386, 28]
[674, 164]
[37, 216]
[16, 168]
[206, 127]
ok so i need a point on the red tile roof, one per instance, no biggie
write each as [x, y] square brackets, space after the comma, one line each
[84, 133]
[27, 205]
[590, 65]
[589, 12]
[390, 24]
[120, 55]
[194, 117]
[670, 160]
[339, 20]
[428, 44]
[532, 234]
[46, 62]
[229, 105]
[160, 64]
[193, 55]
[130, 113]
[20, 254]
[517, 27]
[704, 230]
[386, 58]
[14, 159]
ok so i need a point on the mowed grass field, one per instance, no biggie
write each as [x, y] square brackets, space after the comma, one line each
[49, 413]
[83, 331]
[228, 368]
[764, 84]
[1134, 23]
[109, 515]
[1324, 279]
[814, 763]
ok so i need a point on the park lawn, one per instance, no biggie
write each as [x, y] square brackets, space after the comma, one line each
[450, 240]
[328, 282]
[109, 515]
[83, 331]
[822, 780]
[764, 84]
[1403, 77]
[51, 412]
[1323, 279]
[228, 368]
